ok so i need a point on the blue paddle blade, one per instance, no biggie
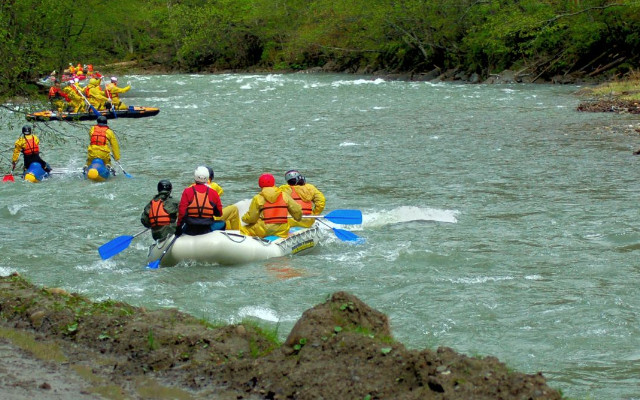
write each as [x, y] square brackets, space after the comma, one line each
[345, 217]
[154, 264]
[114, 246]
[347, 236]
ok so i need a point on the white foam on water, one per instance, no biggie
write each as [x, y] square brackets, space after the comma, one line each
[409, 214]
[260, 312]
[15, 208]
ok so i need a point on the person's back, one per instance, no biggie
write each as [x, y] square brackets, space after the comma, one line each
[74, 92]
[307, 195]
[29, 145]
[94, 94]
[269, 210]
[161, 213]
[102, 143]
[199, 205]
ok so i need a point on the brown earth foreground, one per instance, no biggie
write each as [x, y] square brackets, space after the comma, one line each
[56, 345]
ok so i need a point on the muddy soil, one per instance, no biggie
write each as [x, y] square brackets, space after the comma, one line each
[56, 345]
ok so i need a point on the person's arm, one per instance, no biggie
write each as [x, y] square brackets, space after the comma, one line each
[144, 218]
[294, 208]
[253, 214]
[115, 147]
[19, 145]
[215, 197]
[182, 207]
[319, 201]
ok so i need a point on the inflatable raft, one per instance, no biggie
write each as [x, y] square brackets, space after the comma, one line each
[130, 112]
[35, 173]
[97, 171]
[231, 247]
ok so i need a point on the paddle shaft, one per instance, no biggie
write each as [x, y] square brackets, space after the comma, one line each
[113, 109]
[128, 175]
[344, 235]
[96, 112]
[156, 264]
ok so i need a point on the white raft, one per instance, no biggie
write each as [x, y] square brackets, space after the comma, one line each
[232, 247]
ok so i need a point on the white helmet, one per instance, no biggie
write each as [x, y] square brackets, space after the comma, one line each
[201, 175]
[114, 79]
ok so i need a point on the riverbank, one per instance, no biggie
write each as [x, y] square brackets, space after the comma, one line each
[57, 345]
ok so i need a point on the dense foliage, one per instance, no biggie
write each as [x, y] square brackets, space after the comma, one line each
[541, 38]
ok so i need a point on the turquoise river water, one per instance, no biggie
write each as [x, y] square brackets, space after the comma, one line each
[498, 220]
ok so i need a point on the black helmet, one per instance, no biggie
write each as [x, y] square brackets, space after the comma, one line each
[102, 120]
[210, 173]
[164, 186]
[26, 130]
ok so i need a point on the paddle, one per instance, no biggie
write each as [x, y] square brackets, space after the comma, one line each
[116, 245]
[9, 177]
[344, 235]
[96, 112]
[123, 171]
[113, 109]
[155, 264]
[342, 217]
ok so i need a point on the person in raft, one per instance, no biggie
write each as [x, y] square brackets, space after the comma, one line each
[199, 205]
[113, 91]
[308, 196]
[161, 213]
[230, 213]
[95, 95]
[269, 210]
[29, 145]
[103, 143]
[58, 97]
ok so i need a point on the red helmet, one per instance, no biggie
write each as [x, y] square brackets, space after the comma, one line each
[266, 180]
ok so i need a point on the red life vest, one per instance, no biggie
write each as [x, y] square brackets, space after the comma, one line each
[99, 135]
[158, 215]
[31, 147]
[200, 206]
[86, 92]
[55, 93]
[276, 212]
[307, 206]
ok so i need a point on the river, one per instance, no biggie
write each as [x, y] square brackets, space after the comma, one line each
[498, 220]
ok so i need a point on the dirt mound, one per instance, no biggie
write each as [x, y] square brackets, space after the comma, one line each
[616, 106]
[339, 349]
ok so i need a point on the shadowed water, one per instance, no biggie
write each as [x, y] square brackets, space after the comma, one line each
[498, 220]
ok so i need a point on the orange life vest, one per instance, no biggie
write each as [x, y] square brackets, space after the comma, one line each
[99, 135]
[31, 147]
[158, 215]
[200, 206]
[307, 206]
[276, 212]
[86, 92]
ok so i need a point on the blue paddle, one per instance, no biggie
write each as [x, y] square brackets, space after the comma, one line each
[116, 245]
[344, 235]
[155, 264]
[342, 217]
[123, 171]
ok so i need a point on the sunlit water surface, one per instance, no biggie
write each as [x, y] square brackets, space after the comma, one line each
[498, 220]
